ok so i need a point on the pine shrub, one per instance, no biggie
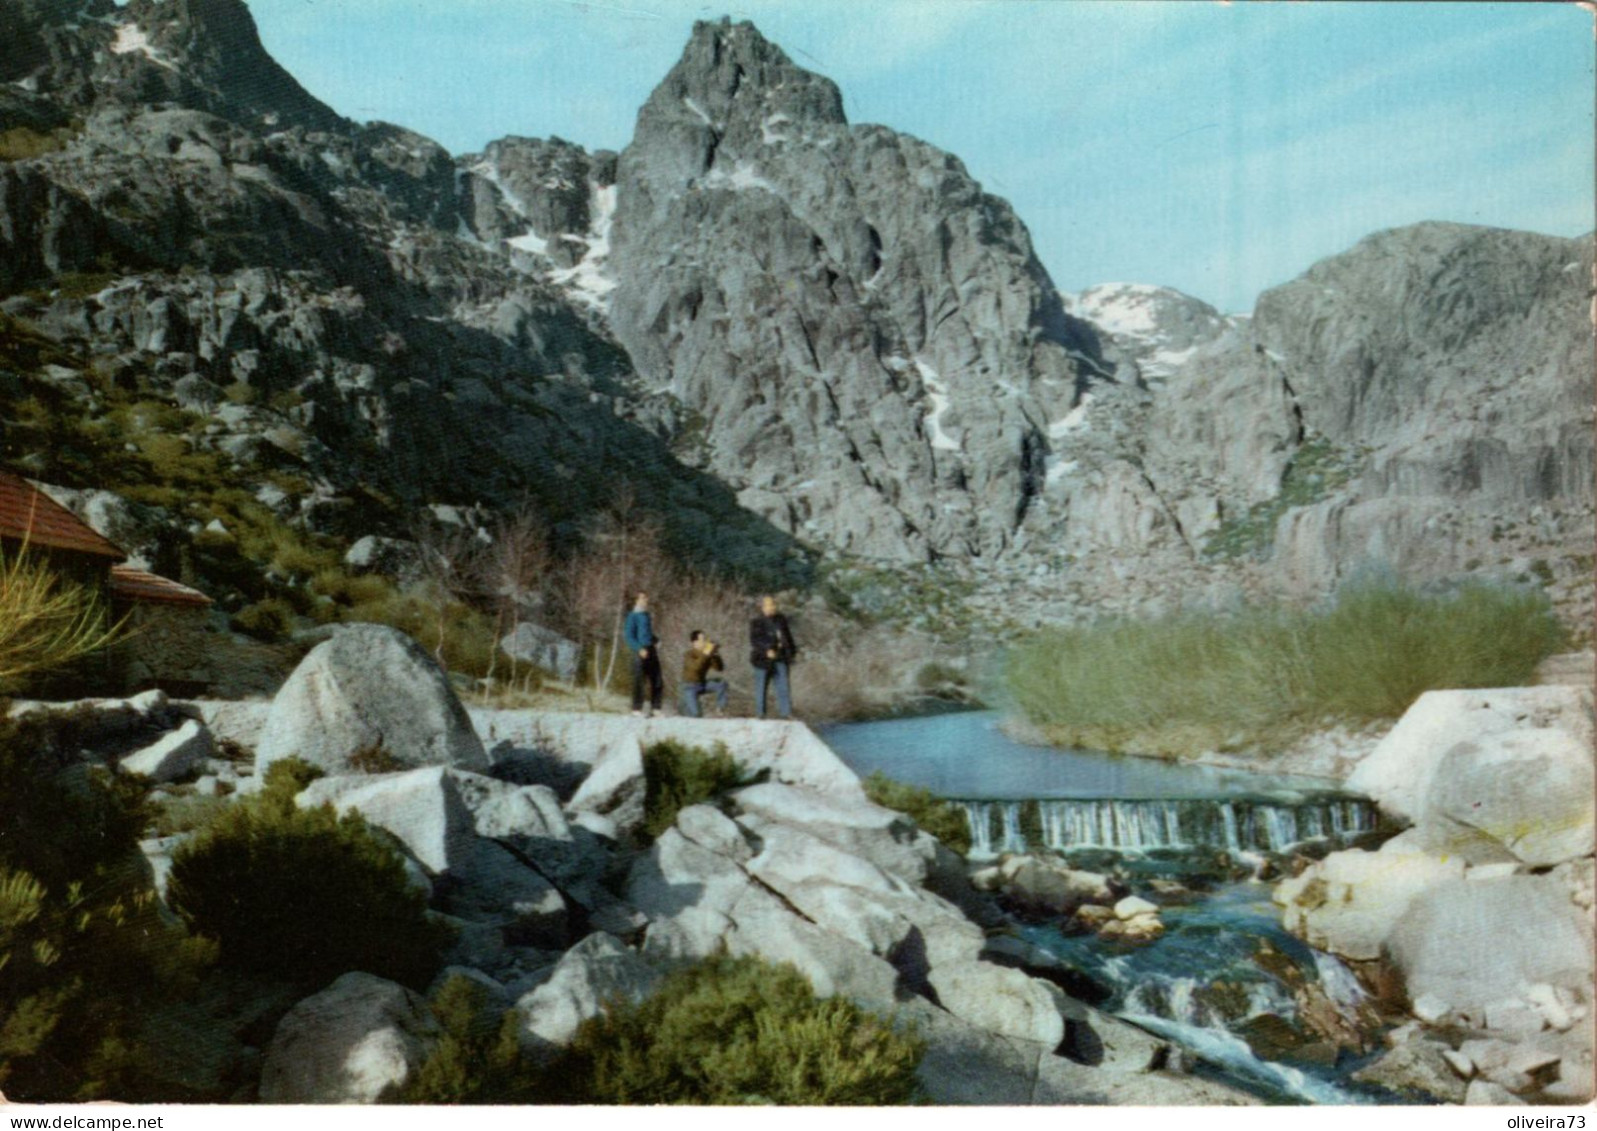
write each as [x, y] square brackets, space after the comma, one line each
[943, 820]
[737, 1031]
[303, 894]
[86, 959]
[677, 775]
[477, 1060]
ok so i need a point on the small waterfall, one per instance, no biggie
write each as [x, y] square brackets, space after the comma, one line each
[981, 830]
[1232, 1053]
[1241, 827]
[979, 815]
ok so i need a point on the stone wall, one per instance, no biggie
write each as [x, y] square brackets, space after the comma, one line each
[165, 646]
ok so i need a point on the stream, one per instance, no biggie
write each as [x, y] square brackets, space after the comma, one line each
[1202, 985]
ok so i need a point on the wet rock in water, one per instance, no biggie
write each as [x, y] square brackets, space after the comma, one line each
[1323, 1054]
[1169, 893]
[1271, 1036]
[1092, 917]
[1133, 907]
[1416, 1069]
[1035, 884]
[1355, 1027]
[1132, 932]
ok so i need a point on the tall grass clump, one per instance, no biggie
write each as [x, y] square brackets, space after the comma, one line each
[677, 775]
[942, 819]
[303, 895]
[46, 621]
[1190, 682]
[737, 1031]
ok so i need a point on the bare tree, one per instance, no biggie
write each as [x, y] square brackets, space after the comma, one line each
[448, 556]
[622, 554]
[513, 572]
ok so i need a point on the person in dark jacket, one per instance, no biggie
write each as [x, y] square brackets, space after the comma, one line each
[771, 651]
[641, 641]
[703, 658]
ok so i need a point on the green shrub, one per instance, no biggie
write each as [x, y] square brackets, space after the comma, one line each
[88, 961]
[1317, 469]
[21, 143]
[303, 894]
[1196, 681]
[478, 1059]
[184, 814]
[270, 620]
[465, 637]
[677, 775]
[943, 820]
[737, 1031]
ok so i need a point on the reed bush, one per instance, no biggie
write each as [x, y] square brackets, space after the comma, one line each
[1190, 682]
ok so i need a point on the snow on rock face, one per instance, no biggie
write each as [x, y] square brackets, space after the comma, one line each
[131, 39]
[1160, 327]
[589, 281]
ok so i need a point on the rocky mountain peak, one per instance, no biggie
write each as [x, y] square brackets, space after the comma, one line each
[729, 69]
[207, 54]
[731, 92]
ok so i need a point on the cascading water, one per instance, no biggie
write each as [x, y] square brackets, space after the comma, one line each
[1241, 827]
[1203, 984]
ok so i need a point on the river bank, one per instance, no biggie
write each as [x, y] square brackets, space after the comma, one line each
[1331, 753]
[1457, 952]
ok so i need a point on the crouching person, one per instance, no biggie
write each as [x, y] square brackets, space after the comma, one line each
[702, 660]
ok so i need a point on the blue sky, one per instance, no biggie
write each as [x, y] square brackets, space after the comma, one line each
[1217, 148]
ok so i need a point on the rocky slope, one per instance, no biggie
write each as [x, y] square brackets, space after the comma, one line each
[199, 232]
[787, 334]
[1419, 404]
[526, 837]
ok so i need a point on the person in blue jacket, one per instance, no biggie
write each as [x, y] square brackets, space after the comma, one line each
[641, 641]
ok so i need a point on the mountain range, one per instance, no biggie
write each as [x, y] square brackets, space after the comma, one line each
[796, 339]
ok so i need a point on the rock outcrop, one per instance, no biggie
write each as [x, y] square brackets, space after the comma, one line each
[861, 340]
[369, 693]
[1478, 919]
[1496, 775]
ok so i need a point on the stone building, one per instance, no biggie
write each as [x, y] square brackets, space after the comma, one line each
[166, 626]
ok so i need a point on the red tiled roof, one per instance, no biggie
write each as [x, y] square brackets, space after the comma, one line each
[136, 585]
[29, 515]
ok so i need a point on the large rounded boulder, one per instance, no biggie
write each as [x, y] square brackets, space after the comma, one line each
[369, 698]
[359, 1041]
